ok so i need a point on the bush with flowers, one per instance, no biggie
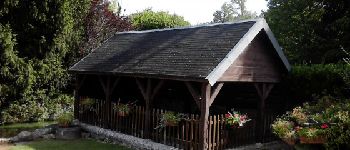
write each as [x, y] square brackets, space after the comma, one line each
[325, 122]
[235, 119]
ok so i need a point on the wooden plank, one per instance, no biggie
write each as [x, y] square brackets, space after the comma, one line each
[187, 135]
[192, 132]
[210, 142]
[256, 64]
[214, 132]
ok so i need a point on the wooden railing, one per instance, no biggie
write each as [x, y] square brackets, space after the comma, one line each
[185, 135]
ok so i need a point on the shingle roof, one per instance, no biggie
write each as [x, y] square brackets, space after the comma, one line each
[192, 52]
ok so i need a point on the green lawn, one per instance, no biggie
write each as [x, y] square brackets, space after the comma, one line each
[27, 125]
[13, 129]
[81, 144]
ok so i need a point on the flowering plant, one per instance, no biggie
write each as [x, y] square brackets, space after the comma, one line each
[170, 118]
[123, 109]
[235, 119]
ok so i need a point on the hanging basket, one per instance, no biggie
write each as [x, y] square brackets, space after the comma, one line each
[122, 113]
[170, 123]
[313, 140]
[289, 141]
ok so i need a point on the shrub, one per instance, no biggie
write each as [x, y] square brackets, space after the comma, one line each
[35, 109]
[305, 81]
[65, 119]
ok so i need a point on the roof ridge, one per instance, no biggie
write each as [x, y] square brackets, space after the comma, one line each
[189, 27]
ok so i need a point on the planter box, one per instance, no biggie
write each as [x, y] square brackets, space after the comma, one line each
[171, 123]
[313, 140]
[289, 141]
[122, 113]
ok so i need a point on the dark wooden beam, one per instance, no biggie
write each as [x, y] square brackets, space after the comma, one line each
[156, 89]
[148, 93]
[203, 124]
[263, 90]
[142, 88]
[81, 82]
[215, 93]
[194, 93]
[108, 89]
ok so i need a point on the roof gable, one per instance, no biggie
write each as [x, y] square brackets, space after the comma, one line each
[241, 46]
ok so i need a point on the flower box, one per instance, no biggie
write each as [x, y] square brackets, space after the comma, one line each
[171, 123]
[313, 140]
[122, 113]
[289, 141]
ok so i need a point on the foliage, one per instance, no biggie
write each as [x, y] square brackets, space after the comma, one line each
[304, 81]
[313, 31]
[283, 128]
[170, 118]
[87, 103]
[37, 40]
[311, 132]
[149, 19]
[65, 119]
[101, 23]
[122, 108]
[67, 145]
[235, 119]
[234, 10]
[329, 117]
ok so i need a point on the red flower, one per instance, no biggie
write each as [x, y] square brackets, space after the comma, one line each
[227, 115]
[324, 126]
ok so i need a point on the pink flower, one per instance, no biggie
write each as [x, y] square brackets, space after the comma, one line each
[324, 126]
[227, 115]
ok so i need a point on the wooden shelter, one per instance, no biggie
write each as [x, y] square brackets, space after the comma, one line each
[199, 60]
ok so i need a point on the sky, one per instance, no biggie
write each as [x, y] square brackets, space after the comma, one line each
[194, 11]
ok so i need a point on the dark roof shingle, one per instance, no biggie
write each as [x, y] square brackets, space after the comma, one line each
[188, 52]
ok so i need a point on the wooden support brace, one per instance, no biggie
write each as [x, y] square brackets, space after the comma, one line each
[194, 93]
[142, 88]
[148, 95]
[263, 90]
[215, 92]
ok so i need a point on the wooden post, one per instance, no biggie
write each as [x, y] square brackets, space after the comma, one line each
[108, 90]
[204, 101]
[76, 98]
[78, 83]
[203, 126]
[263, 90]
[148, 95]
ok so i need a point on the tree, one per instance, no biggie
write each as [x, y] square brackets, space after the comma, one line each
[313, 31]
[35, 39]
[235, 10]
[101, 23]
[149, 19]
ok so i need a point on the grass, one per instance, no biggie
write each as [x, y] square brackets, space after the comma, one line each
[80, 144]
[27, 125]
[10, 130]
